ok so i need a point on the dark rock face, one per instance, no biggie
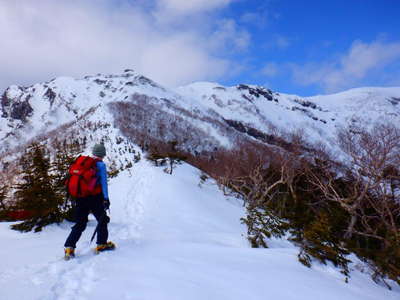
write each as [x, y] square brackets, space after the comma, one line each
[307, 103]
[17, 108]
[394, 100]
[100, 82]
[51, 95]
[21, 110]
[307, 112]
[239, 126]
[144, 80]
[263, 137]
[5, 103]
[219, 88]
[257, 92]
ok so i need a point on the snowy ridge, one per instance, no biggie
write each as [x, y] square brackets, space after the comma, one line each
[179, 241]
[318, 116]
[43, 107]
[29, 111]
[176, 240]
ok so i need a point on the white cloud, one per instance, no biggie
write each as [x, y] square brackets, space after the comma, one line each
[44, 39]
[270, 69]
[250, 17]
[278, 42]
[362, 62]
[180, 8]
[364, 57]
[282, 42]
[259, 19]
[228, 35]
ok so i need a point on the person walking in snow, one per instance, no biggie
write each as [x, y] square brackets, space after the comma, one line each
[87, 184]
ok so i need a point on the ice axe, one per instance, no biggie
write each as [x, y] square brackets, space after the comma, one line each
[102, 219]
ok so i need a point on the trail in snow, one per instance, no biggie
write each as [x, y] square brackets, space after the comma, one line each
[128, 207]
[77, 279]
[174, 240]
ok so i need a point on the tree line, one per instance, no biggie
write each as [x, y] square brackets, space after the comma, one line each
[328, 205]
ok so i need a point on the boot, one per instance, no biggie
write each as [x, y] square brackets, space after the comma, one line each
[104, 247]
[69, 253]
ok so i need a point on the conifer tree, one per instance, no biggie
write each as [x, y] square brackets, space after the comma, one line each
[35, 193]
[3, 193]
[3, 206]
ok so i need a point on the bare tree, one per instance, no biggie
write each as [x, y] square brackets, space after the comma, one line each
[258, 173]
[366, 185]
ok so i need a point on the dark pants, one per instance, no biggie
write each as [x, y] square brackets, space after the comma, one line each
[83, 207]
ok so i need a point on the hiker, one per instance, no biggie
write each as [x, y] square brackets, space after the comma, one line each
[94, 199]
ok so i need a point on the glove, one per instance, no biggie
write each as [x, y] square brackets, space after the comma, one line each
[106, 204]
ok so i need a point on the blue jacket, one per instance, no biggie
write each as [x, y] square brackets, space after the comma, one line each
[102, 178]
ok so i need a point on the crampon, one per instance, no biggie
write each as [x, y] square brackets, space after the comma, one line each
[104, 247]
[69, 253]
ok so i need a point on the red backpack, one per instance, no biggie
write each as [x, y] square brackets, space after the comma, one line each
[82, 180]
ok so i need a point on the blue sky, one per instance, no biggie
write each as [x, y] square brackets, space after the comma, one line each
[298, 34]
[303, 47]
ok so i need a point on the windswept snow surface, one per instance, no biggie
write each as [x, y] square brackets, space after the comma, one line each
[176, 240]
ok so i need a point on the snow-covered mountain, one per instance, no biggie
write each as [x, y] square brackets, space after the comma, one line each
[217, 115]
[176, 239]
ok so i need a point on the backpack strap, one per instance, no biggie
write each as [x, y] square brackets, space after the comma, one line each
[84, 160]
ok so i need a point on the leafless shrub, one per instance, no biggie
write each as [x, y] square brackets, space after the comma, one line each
[367, 185]
[352, 205]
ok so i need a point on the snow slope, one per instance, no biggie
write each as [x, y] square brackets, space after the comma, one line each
[207, 108]
[318, 116]
[175, 240]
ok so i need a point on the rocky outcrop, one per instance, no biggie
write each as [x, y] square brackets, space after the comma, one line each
[257, 92]
[5, 103]
[394, 100]
[50, 95]
[15, 106]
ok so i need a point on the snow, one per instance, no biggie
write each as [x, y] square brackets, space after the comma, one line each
[212, 101]
[14, 91]
[175, 240]
[362, 106]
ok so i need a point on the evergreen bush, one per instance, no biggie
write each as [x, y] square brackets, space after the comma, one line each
[41, 192]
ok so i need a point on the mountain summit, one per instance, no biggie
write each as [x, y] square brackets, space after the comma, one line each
[219, 114]
[248, 171]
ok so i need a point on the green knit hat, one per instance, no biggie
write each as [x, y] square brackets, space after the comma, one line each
[99, 150]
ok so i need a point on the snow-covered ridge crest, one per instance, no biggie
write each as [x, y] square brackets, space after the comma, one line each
[153, 210]
[319, 116]
[29, 111]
